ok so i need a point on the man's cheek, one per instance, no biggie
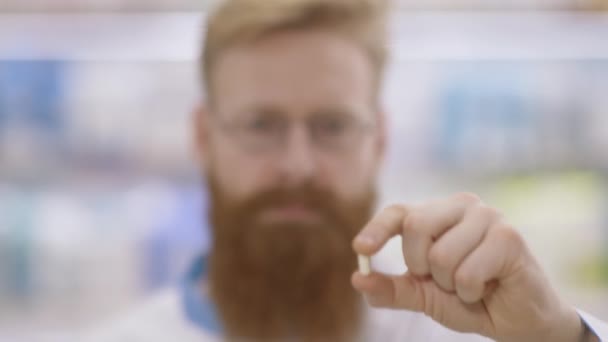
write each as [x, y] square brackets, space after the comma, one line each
[350, 184]
[257, 174]
[239, 181]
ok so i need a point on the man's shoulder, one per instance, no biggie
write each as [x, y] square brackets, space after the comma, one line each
[160, 318]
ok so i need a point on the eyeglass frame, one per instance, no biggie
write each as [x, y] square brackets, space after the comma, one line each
[356, 127]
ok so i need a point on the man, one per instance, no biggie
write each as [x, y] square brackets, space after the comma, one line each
[291, 137]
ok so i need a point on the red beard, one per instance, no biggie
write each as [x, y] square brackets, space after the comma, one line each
[286, 281]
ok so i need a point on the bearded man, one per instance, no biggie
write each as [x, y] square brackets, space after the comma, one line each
[291, 137]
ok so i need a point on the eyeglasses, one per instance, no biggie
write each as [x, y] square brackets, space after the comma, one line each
[268, 132]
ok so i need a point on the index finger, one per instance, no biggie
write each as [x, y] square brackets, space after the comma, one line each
[380, 229]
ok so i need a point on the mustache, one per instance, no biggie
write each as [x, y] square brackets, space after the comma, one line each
[310, 197]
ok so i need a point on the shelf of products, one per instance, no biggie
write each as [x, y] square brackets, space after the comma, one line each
[202, 5]
[98, 169]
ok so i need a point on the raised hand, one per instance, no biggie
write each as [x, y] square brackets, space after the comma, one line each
[468, 269]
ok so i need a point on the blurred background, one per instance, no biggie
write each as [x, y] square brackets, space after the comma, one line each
[101, 202]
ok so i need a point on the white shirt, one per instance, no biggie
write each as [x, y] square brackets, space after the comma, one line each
[166, 318]
[163, 319]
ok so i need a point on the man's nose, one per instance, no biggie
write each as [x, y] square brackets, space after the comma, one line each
[297, 162]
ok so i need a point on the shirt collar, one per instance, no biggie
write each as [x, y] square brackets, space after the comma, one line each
[197, 305]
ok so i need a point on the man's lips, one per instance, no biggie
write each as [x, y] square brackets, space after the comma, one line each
[291, 213]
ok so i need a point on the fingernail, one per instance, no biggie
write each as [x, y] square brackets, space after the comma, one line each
[366, 240]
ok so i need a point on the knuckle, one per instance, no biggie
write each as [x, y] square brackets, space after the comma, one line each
[465, 279]
[486, 212]
[439, 258]
[434, 307]
[394, 209]
[412, 221]
[508, 234]
[467, 197]
[417, 268]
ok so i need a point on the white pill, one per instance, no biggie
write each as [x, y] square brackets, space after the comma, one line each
[364, 264]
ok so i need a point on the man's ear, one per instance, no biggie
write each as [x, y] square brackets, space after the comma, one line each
[381, 135]
[201, 134]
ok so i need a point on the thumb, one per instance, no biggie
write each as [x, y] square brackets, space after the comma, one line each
[421, 294]
[388, 291]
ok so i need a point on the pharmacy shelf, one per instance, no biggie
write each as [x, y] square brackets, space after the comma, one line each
[499, 36]
[203, 5]
[419, 35]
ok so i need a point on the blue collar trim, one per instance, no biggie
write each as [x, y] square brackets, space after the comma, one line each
[198, 307]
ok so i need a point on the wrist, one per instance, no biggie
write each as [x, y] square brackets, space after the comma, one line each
[566, 326]
[572, 328]
[587, 334]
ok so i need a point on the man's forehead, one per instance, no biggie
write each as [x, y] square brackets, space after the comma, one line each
[292, 67]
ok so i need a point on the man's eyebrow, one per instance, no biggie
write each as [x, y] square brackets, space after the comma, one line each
[335, 110]
[344, 111]
[265, 109]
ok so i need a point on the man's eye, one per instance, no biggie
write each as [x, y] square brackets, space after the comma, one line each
[332, 126]
[264, 125]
